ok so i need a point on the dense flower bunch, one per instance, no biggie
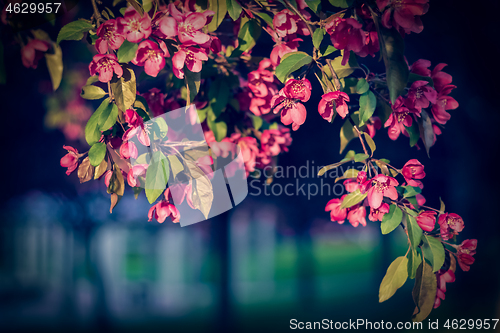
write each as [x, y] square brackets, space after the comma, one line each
[387, 200]
[202, 53]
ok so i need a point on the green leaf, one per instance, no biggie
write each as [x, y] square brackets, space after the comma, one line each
[349, 156]
[247, 37]
[370, 142]
[314, 5]
[55, 66]
[391, 220]
[97, 153]
[92, 132]
[426, 130]
[268, 19]
[353, 198]
[362, 86]
[92, 92]
[327, 50]
[392, 48]
[326, 168]
[433, 251]
[124, 89]
[256, 122]
[442, 207]
[157, 176]
[395, 278]
[218, 95]
[290, 63]
[175, 165]
[367, 105]
[424, 292]
[141, 103]
[347, 132]
[74, 30]
[360, 157]
[161, 127]
[219, 128]
[411, 191]
[341, 3]
[349, 173]
[414, 232]
[317, 38]
[414, 261]
[414, 133]
[202, 191]
[193, 81]
[344, 71]
[127, 51]
[415, 77]
[220, 9]
[108, 117]
[116, 183]
[234, 9]
[91, 80]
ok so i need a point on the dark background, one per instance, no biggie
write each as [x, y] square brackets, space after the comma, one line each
[317, 269]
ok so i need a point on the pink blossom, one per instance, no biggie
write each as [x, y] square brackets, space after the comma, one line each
[274, 141]
[287, 102]
[283, 47]
[382, 186]
[404, 15]
[378, 214]
[128, 150]
[421, 67]
[285, 23]
[371, 43]
[70, 160]
[32, 52]
[440, 78]
[188, 26]
[151, 57]
[249, 150]
[333, 100]
[450, 225]
[465, 252]
[132, 118]
[133, 26]
[444, 103]
[426, 220]
[357, 216]
[190, 56]
[162, 210]
[442, 277]
[347, 35]
[109, 38]
[373, 125]
[137, 171]
[421, 95]
[179, 192]
[412, 170]
[105, 65]
[337, 214]
[361, 183]
[399, 118]
[156, 99]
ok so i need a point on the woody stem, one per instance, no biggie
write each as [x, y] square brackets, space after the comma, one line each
[97, 15]
[307, 23]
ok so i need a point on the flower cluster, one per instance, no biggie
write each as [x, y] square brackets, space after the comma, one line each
[348, 35]
[288, 102]
[421, 95]
[184, 29]
[261, 88]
